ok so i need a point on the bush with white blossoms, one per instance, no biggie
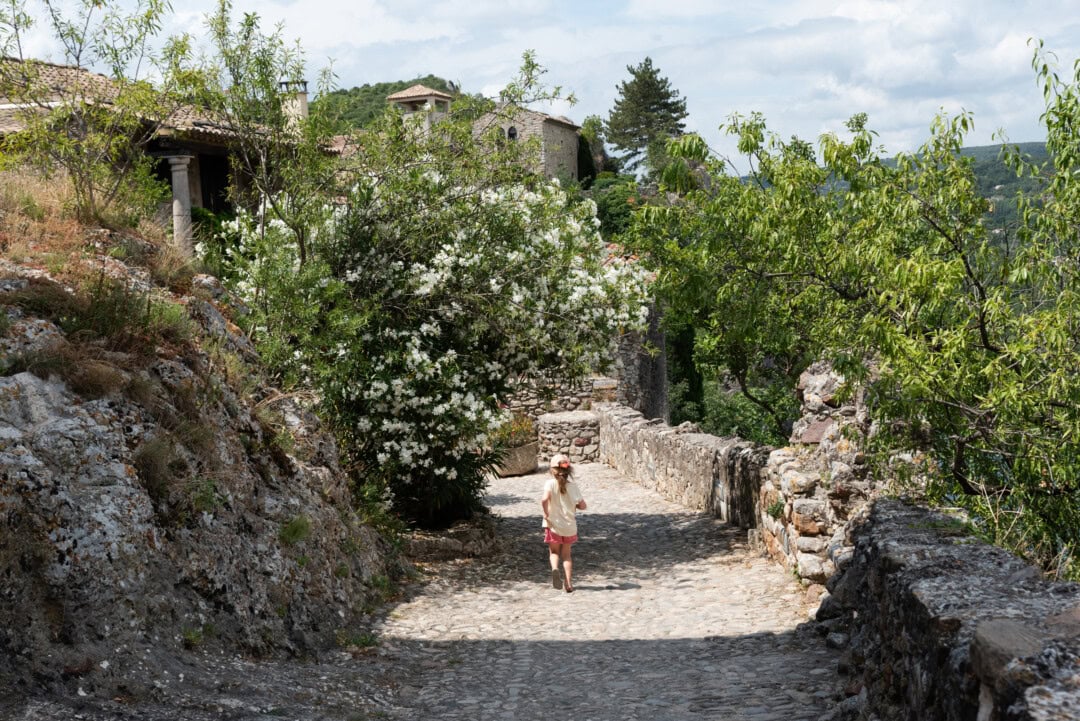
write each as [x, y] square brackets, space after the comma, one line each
[440, 277]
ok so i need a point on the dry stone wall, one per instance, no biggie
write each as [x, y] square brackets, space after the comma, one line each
[811, 488]
[943, 627]
[696, 469]
[575, 434]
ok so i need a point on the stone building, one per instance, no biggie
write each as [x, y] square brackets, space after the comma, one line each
[558, 136]
[421, 105]
[192, 148]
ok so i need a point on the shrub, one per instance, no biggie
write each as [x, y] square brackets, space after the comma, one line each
[518, 430]
[295, 531]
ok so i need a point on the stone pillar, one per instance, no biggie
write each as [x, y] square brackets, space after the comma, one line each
[181, 204]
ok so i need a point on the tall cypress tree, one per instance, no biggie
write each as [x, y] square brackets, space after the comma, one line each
[647, 112]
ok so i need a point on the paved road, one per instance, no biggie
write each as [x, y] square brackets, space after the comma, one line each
[673, 618]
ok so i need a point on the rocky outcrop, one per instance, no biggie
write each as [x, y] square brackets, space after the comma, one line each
[813, 487]
[181, 503]
[944, 627]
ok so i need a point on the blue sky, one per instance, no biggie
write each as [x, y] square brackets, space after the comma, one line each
[807, 65]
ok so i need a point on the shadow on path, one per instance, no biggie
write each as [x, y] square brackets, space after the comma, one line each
[756, 677]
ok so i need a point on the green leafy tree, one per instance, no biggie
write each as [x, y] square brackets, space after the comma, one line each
[647, 112]
[92, 127]
[282, 162]
[889, 270]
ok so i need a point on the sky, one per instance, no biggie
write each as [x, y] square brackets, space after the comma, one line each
[806, 65]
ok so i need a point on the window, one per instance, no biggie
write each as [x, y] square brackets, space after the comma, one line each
[511, 133]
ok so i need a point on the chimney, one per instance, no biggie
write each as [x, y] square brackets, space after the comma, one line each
[295, 101]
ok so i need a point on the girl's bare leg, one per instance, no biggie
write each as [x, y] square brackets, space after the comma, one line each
[554, 552]
[568, 566]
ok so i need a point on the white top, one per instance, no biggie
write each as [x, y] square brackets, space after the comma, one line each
[562, 507]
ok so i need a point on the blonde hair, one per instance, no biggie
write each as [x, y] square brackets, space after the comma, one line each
[562, 476]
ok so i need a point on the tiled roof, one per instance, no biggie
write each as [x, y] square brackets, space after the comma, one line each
[58, 78]
[416, 92]
[66, 80]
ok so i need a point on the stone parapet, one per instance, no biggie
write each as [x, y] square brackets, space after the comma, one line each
[575, 433]
[943, 627]
[698, 470]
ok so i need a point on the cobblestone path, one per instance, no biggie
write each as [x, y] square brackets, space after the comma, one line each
[672, 618]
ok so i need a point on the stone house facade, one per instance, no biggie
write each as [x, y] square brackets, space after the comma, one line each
[558, 138]
[557, 135]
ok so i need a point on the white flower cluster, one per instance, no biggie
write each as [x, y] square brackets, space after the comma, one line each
[518, 282]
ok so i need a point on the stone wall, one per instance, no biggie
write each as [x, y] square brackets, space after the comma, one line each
[560, 149]
[575, 434]
[811, 488]
[696, 469]
[943, 627]
[535, 398]
[641, 367]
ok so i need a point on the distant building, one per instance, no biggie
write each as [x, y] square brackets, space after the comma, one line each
[558, 136]
[421, 104]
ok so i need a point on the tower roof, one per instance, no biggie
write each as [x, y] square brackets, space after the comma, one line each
[416, 92]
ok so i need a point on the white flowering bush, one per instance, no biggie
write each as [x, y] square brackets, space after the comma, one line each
[441, 275]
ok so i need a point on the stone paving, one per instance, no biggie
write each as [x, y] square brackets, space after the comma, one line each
[673, 619]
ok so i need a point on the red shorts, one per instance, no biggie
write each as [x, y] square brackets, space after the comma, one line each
[550, 537]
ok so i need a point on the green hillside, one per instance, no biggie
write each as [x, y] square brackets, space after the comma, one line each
[357, 107]
[999, 183]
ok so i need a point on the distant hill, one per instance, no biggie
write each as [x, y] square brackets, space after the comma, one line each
[998, 182]
[357, 107]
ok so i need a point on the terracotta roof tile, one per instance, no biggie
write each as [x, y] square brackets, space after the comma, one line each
[416, 92]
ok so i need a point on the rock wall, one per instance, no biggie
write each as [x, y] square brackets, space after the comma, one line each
[535, 398]
[811, 488]
[575, 434]
[641, 367]
[696, 469]
[943, 627]
[165, 509]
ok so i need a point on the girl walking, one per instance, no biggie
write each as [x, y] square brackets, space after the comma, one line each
[561, 501]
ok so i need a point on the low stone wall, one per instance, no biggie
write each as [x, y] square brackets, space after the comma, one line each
[943, 627]
[534, 399]
[576, 434]
[698, 470]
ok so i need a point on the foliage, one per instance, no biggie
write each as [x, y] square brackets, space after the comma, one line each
[252, 79]
[297, 530]
[94, 128]
[517, 430]
[443, 272]
[593, 133]
[647, 112]
[108, 311]
[356, 108]
[888, 269]
[616, 198]
[727, 412]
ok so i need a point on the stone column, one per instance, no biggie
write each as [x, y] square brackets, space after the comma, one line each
[181, 204]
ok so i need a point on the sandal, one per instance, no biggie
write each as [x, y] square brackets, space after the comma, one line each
[556, 579]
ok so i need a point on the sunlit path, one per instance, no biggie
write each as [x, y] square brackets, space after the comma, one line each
[673, 618]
